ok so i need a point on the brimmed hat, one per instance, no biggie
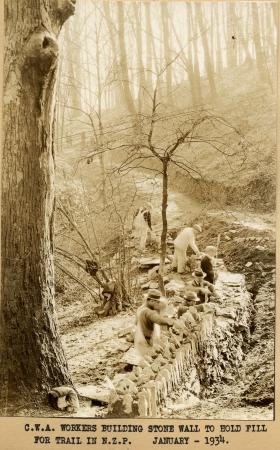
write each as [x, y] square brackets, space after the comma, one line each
[153, 294]
[198, 273]
[210, 248]
[191, 297]
[197, 228]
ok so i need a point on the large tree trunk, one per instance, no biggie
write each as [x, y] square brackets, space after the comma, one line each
[32, 358]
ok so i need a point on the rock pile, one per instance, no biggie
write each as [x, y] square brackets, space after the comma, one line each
[204, 346]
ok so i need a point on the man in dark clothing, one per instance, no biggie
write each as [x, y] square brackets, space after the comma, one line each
[207, 263]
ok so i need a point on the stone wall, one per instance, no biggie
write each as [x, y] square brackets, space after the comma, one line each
[205, 346]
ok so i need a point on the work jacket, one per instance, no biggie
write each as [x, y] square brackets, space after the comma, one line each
[185, 239]
[147, 318]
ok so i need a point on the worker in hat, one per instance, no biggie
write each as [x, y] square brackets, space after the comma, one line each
[207, 263]
[184, 240]
[203, 288]
[149, 318]
[190, 299]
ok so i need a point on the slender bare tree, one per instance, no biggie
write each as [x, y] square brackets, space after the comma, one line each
[166, 48]
[208, 62]
[260, 57]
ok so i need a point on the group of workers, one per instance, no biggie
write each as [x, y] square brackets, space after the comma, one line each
[151, 315]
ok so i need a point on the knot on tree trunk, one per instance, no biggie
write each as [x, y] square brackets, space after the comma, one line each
[40, 56]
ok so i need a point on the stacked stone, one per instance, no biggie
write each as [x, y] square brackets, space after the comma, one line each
[204, 346]
[222, 350]
[145, 390]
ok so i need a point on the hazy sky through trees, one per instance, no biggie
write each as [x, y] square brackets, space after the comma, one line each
[91, 36]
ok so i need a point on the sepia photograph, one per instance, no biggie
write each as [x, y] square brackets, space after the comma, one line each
[138, 209]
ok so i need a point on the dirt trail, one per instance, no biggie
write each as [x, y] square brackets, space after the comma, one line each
[95, 350]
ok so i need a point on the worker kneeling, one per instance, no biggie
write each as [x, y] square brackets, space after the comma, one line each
[149, 317]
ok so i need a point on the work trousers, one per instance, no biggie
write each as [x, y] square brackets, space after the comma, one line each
[179, 260]
[141, 235]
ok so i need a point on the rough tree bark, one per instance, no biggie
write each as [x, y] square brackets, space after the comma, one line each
[32, 357]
